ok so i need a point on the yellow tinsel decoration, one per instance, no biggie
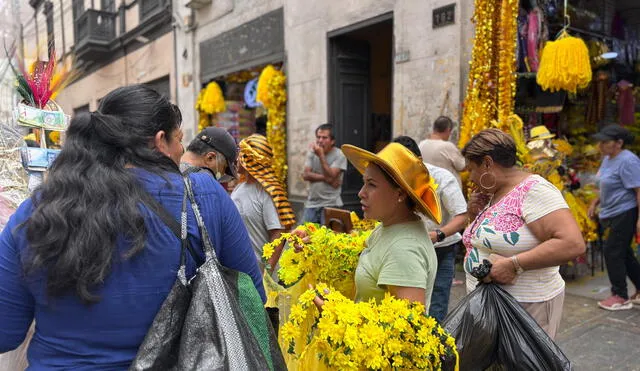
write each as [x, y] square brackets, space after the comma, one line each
[564, 64]
[491, 83]
[507, 61]
[272, 93]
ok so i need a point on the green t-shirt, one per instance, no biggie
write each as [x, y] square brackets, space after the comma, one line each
[398, 255]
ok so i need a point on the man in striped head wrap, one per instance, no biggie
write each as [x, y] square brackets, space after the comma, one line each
[260, 197]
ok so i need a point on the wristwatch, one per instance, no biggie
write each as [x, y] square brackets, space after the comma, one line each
[440, 236]
[516, 265]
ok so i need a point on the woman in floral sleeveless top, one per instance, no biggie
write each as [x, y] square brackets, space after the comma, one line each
[522, 224]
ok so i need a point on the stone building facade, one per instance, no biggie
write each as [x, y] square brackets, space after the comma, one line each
[383, 63]
[115, 43]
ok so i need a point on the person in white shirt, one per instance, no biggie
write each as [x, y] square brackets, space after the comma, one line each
[261, 198]
[439, 151]
[445, 236]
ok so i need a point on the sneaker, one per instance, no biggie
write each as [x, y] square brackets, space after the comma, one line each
[635, 299]
[615, 302]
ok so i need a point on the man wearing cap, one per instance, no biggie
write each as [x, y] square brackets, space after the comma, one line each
[619, 200]
[439, 151]
[213, 150]
[323, 168]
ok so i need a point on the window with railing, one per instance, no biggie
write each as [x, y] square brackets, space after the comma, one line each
[77, 8]
[108, 5]
[150, 7]
[48, 13]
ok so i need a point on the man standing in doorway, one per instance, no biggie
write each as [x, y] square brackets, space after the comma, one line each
[437, 150]
[323, 168]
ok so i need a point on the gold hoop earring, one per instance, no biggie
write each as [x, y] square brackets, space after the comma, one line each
[482, 183]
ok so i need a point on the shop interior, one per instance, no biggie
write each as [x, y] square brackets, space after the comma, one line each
[611, 31]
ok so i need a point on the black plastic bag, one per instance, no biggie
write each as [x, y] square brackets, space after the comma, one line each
[493, 331]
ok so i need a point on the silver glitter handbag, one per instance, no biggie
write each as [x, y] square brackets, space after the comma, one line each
[214, 321]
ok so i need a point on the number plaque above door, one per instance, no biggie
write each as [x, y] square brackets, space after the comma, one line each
[444, 16]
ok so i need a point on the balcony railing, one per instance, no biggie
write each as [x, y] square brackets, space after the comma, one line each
[150, 7]
[94, 30]
[96, 25]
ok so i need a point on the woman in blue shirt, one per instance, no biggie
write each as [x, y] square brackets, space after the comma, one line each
[86, 259]
[619, 199]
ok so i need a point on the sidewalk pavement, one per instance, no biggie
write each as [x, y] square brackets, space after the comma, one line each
[593, 339]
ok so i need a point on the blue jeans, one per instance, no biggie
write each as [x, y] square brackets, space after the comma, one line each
[313, 215]
[442, 285]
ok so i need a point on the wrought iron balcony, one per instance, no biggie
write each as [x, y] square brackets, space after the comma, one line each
[149, 8]
[94, 30]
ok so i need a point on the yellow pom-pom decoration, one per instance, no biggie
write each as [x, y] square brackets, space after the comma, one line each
[262, 94]
[210, 100]
[564, 64]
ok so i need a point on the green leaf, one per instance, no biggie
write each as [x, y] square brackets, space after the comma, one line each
[474, 255]
[488, 230]
[511, 238]
[486, 243]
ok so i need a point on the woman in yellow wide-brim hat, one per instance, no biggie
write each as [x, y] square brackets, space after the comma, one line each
[399, 257]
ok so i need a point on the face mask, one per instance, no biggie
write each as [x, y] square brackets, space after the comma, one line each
[221, 177]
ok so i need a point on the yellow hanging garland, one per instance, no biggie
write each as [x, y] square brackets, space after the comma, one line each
[479, 103]
[564, 64]
[272, 93]
[507, 61]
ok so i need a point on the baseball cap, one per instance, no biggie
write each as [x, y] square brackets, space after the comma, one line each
[613, 132]
[220, 140]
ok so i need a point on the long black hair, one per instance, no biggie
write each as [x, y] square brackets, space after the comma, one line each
[90, 197]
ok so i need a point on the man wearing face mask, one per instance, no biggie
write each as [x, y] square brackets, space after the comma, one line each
[213, 150]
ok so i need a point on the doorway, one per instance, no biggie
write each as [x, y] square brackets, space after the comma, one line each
[360, 92]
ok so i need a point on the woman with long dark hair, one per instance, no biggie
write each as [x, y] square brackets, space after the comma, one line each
[86, 258]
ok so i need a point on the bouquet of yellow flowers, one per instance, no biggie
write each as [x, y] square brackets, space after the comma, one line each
[394, 334]
[328, 257]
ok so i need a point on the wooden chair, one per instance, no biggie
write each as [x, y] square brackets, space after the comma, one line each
[338, 220]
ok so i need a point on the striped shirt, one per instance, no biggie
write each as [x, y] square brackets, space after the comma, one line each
[502, 229]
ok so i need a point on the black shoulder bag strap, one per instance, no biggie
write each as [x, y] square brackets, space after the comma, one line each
[171, 222]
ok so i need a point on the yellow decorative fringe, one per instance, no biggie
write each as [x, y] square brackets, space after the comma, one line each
[564, 64]
[272, 93]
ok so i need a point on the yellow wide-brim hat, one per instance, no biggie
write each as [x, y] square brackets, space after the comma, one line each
[407, 170]
[540, 133]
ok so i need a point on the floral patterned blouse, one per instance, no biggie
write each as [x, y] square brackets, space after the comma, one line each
[502, 229]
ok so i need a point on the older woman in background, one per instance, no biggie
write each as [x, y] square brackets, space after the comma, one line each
[619, 179]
